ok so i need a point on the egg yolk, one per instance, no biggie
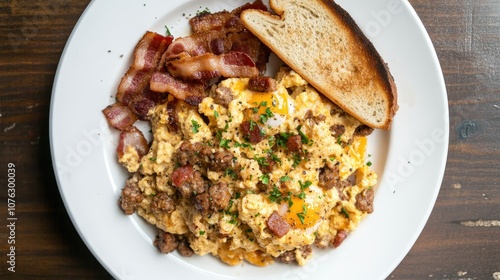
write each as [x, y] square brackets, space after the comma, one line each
[277, 102]
[301, 215]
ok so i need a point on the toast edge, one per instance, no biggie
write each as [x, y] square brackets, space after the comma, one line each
[380, 65]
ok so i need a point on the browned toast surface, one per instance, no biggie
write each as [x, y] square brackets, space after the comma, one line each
[320, 41]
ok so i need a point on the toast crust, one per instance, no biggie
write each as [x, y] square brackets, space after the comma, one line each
[342, 64]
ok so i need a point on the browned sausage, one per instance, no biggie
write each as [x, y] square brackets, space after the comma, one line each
[262, 84]
[219, 196]
[188, 181]
[131, 196]
[294, 143]
[364, 201]
[166, 242]
[363, 130]
[252, 132]
[162, 203]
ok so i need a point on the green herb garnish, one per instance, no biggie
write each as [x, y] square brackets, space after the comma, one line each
[343, 211]
[264, 179]
[224, 143]
[195, 126]
[285, 179]
[304, 137]
[275, 195]
[302, 214]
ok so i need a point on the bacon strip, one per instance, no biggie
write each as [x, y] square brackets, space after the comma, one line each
[133, 138]
[119, 116]
[220, 33]
[133, 90]
[148, 52]
[218, 42]
[132, 84]
[192, 93]
[207, 66]
[196, 44]
[223, 20]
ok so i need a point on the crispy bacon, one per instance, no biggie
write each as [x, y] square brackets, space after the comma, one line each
[192, 92]
[223, 20]
[148, 52]
[134, 138]
[220, 33]
[207, 66]
[194, 45]
[119, 116]
[246, 42]
[258, 5]
[217, 42]
[132, 84]
[134, 90]
[217, 21]
[135, 93]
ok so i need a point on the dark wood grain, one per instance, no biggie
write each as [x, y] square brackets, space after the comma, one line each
[460, 241]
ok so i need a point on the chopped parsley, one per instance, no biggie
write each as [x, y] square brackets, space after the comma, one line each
[296, 160]
[243, 145]
[167, 31]
[252, 125]
[283, 137]
[344, 211]
[271, 141]
[285, 179]
[265, 117]
[262, 161]
[338, 140]
[332, 158]
[303, 186]
[202, 232]
[218, 134]
[275, 158]
[195, 126]
[264, 179]
[224, 143]
[275, 195]
[369, 163]
[233, 215]
[230, 173]
[304, 137]
[216, 114]
[302, 214]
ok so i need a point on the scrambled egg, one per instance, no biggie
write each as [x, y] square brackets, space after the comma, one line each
[314, 214]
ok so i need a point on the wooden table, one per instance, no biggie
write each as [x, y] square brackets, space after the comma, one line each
[460, 240]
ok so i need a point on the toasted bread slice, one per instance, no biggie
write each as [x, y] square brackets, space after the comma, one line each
[320, 41]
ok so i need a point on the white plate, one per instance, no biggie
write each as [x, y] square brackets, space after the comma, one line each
[410, 158]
